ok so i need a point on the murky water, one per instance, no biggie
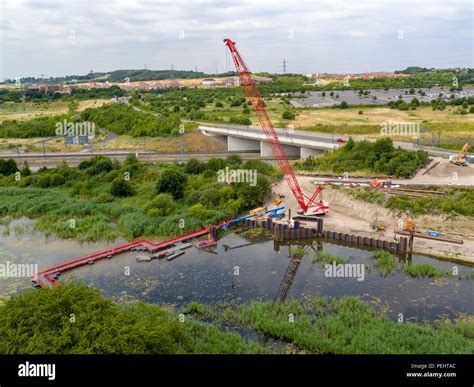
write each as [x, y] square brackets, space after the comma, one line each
[255, 270]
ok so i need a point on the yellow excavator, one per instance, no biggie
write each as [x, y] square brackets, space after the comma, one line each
[460, 158]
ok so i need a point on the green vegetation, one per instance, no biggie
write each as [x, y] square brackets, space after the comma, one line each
[172, 181]
[74, 319]
[124, 119]
[327, 258]
[7, 167]
[385, 262]
[379, 157]
[36, 127]
[456, 201]
[368, 195]
[423, 270]
[107, 199]
[348, 325]
[76, 94]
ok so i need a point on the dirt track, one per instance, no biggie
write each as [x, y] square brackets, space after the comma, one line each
[353, 216]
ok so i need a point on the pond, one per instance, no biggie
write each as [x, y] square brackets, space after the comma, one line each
[246, 265]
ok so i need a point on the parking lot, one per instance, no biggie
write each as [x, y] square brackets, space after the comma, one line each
[382, 97]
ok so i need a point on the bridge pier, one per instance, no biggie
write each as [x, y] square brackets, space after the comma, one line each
[290, 150]
[237, 144]
[307, 152]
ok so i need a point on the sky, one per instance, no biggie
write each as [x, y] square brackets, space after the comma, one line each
[57, 38]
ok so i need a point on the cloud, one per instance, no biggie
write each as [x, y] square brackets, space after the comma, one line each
[58, 38]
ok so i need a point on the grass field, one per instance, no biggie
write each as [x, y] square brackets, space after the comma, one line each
[453, 126]
[191, 142]
[29, 110]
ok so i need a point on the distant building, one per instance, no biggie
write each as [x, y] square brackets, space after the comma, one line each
[229, 82]
[368, 75]
[208, 82]
[47, 88]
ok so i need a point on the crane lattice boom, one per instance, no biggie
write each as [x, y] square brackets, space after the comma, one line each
[267, 126]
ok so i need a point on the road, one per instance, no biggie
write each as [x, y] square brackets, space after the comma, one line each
[331, 138]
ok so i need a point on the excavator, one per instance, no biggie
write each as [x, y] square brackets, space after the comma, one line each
[460, 158]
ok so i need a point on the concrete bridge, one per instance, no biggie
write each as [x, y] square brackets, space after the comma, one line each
[296, 143]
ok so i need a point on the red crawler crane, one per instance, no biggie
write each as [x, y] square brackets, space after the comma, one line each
[308, 205]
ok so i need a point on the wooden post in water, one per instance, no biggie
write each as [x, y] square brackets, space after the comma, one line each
[410, 241]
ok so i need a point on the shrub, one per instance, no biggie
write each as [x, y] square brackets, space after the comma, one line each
[121, 187]
[194, 166]
[7, 167]
[104, 197]
[200, 212]
[172, 181]
[162, 205]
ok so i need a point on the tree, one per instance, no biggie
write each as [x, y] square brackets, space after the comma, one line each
[288, 115]
[121, 187]
[233, 159]
[25, 169]
[72, 107]
[194, 166]
[7, 167]
[172, 181]
[344, 105]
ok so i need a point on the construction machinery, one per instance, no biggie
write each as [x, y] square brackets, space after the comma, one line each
[309, 206]
[460, 158]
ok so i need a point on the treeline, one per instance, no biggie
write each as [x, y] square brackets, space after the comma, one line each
[124, 119]
[379, 157]
[120, 75]
[76, 94]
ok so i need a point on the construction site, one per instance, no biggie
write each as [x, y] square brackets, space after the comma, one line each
[294, 210]
[200, 220]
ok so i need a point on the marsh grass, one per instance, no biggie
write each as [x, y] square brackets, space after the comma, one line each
[328, 259]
